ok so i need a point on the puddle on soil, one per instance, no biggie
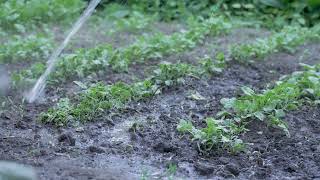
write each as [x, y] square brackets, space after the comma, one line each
[101, 166]
[120, 133]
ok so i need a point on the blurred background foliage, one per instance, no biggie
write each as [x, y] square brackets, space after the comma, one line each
[14, 13]
[304, 12]
[17, 14]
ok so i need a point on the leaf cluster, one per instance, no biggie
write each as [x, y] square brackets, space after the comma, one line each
[95, 61]
[30, 48]
[98, 98]
[271, 105]
[287, 39]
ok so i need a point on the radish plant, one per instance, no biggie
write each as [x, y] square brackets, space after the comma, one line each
[270, 106]
[30, 48]
[85, 62]
[98, 98]
[287, 39]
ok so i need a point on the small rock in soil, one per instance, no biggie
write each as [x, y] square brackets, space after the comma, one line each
[292, 168]
[165, 118]
[261, 173]
[224, 160]
[21, 125]
[61, 150]
[67, 139]
[79, 129]
[110, 122]
[233, 169]
[164, 147]
[40, 152]
[95, 149]
[204, 168]
[36, 136]
[27, 118]
[4, 116]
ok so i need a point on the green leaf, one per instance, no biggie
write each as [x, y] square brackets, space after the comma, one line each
[236, 6]
[184, 126]
[196, 96]
[313, 79]
[228, 103]
[273, 3]
[279, 113]
[225, 139]
[285, 129]
[222, 114]
[259, 115]
[309, 91]
[80, 84]
[306, 66]
[249, 6]
[247, 91]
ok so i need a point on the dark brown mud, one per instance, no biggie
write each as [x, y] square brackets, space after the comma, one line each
[141, 141]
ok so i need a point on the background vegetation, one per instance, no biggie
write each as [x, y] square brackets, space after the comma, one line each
[302, 11]
[16, 14]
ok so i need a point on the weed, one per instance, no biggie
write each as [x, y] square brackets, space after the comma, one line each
[171, 171]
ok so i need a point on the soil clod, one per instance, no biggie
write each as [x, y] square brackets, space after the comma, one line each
[96, 149]
[67, 138]
[204, 168]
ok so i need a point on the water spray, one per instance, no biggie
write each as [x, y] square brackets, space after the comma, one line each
[41, 82]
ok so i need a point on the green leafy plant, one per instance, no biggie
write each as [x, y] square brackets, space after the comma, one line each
[287, 39]
[60, 114]
[123, 18]
[270, 106]
[30, 48]
[171, 74]
[271, 12]
[15, 14]
[85, 62]
[211, 67]
[98, 98]
[136, 21]
[215, 135]
[27, 77]
[92, 102]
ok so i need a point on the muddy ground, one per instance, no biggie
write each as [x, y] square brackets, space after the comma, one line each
[111, 149]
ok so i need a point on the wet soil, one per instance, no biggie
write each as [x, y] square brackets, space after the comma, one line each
[141, 141]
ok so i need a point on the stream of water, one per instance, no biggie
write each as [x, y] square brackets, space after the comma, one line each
[41, 82]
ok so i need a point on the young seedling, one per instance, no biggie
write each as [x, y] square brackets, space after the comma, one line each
[270, 106]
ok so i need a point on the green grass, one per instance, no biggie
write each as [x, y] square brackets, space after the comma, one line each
[269, 106]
